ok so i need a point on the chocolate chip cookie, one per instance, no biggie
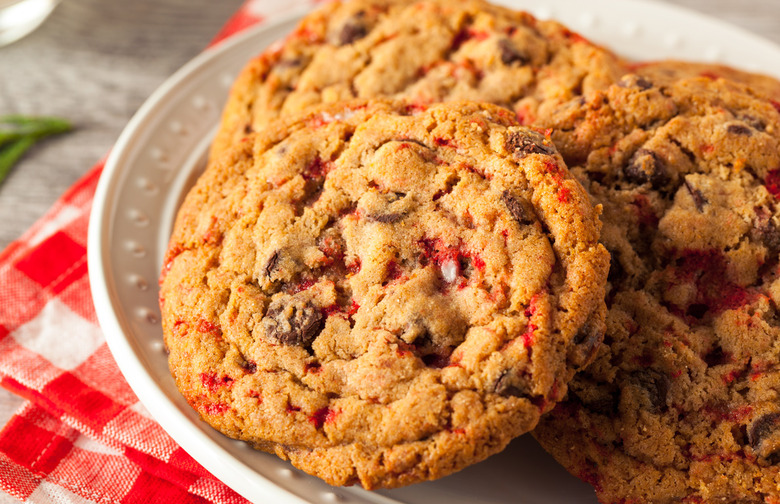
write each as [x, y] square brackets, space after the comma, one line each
[423, 50]
[381, 292]
[681, 403]
[668, 71]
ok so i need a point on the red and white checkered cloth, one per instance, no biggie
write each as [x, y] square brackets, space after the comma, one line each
[81, 435]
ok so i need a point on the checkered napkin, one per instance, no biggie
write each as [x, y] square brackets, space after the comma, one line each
[81, 435]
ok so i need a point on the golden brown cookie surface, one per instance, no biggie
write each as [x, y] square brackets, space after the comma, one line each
[668, 71]
[383, 293]
[425, 51]
[681, 403]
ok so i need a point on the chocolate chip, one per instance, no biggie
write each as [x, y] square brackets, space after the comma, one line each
[739, 129]
[436, 360]
[646, 166]
[519, 212]
[716, 356]
[507, 385]
[635, 81]
[271, 264]
[765, 230]
[586, 343]
[423, 343]
[387, 212]
[465, 266]
[699, 200]
[312, 190]
[291, 321]
[387, 218]
[761, 428]
[524, 143]
[509, 53]
[685, 150]
[771, 236]
[739, 433]
[289, 63]
[643, 84]
[753, 122]
[249, 367]
[616, 270]
[431, 353]
[655, 385]
[354, 29]
[697, 310]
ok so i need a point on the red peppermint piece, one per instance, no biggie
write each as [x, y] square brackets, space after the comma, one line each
[772, 182]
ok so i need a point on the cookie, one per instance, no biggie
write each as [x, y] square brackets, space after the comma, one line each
[383, 293]
[681, 403]
[425, 51]
[668, 71]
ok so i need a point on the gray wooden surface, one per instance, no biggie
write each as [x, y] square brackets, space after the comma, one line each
[93, 62]
[96, 61]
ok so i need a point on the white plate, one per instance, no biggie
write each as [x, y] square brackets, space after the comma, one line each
[163, 149]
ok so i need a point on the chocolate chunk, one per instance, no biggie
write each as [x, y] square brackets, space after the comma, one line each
[353, 30]
[753, 122]
[770, 235]
[643, 84]
[697, 310]
[465, 266]
[387, 218]
[761, 428]
[656, 386]
[646, 166]
[699, 200]
[507, 385]
[685, 150]
[739, 129]
[509, 53]
[616, 270]
[586, 343]
[270, 266]
[431, 353]
[312, 190]
[519, 212]
[249, 366]
[436, 360]
[290, 63]
[291, 321]
[635, 81]
[716, 357]
[765, 230]
[739, 433]
[525, 143]
[387, 212]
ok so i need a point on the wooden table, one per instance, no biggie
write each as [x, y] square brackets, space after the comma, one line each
[93, 62]
[96, 61]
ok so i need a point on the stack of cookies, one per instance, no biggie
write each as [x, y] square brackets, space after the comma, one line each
[430, 226]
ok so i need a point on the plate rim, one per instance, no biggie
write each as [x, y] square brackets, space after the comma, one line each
[103, 292]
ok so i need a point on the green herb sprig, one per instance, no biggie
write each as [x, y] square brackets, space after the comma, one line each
[18, 133]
